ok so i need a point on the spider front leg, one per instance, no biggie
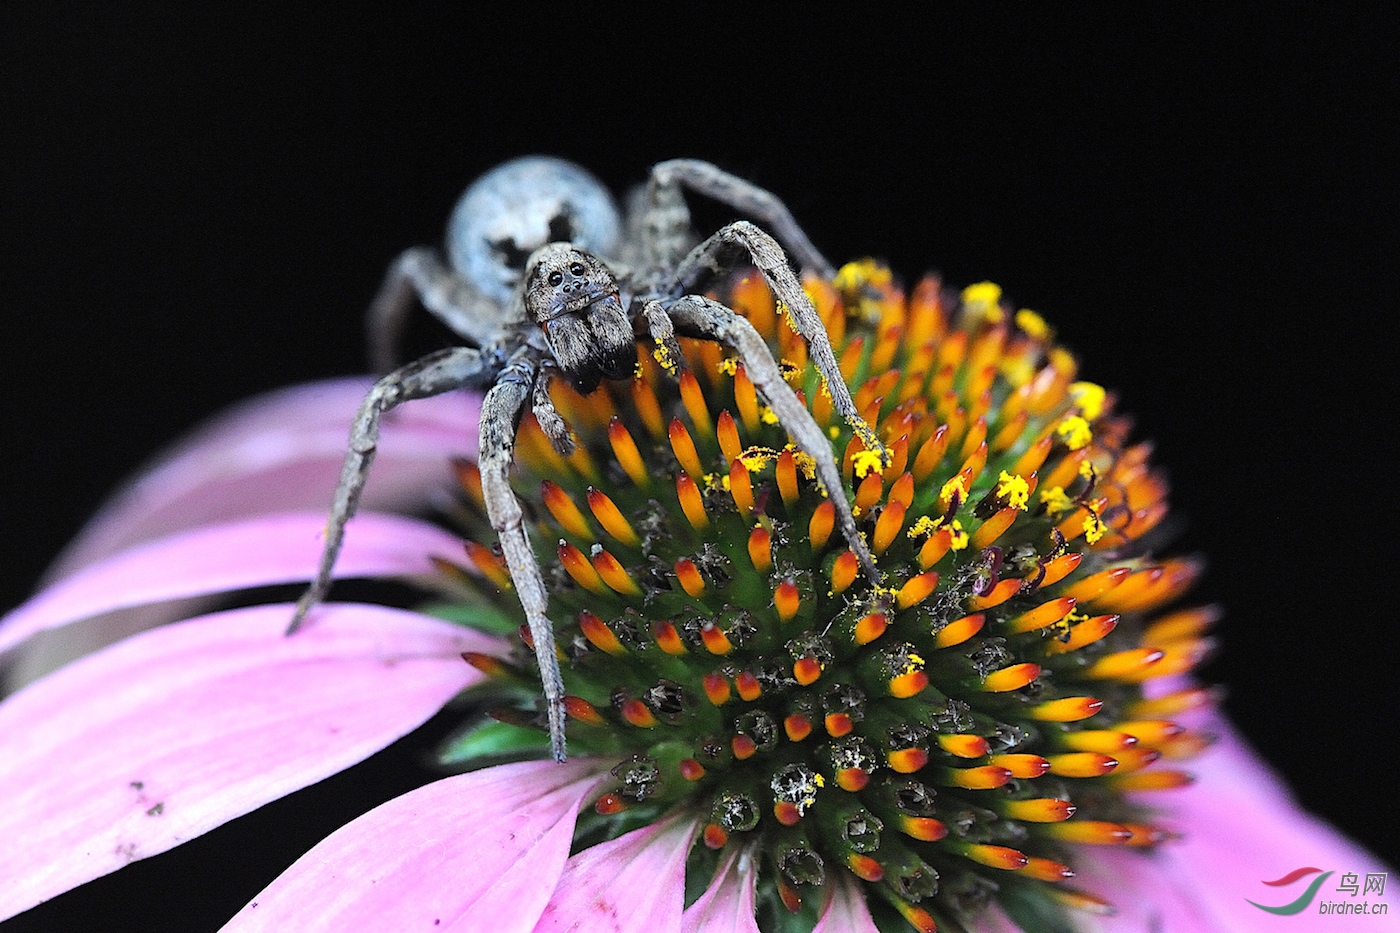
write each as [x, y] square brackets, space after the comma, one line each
[500, 413]
[708, 319]
[667, 220]
[419, 273]
[434, 374]
[715, 257]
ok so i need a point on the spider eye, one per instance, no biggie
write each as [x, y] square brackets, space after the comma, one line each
[555, 278]
[576, 268]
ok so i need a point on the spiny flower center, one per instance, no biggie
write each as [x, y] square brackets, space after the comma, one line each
[949, 735]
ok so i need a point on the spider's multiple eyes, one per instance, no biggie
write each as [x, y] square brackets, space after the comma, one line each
[556, 277]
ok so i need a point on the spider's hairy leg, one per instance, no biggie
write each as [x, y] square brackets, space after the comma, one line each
[500, 413]
[715, 257]
[452, 368]
[420, 273]
[703, 317]
[663, 193]
[663, 335]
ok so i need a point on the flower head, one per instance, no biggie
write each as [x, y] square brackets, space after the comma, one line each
[1000, 733]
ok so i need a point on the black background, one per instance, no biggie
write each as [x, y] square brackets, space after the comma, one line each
[197, 206]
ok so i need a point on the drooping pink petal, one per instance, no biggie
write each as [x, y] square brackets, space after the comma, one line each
[1240, 828]
[633, 883]
[479, 851]
[148, 743]
[845, 910]
[727, 906]
[282, 548]
[281, 452]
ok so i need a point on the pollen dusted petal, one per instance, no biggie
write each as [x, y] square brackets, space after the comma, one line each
[260, 551]
[146, 744]
[1083, 633]
[959, 630]
[633, 883]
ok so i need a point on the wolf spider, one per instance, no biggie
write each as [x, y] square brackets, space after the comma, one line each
[528, 290]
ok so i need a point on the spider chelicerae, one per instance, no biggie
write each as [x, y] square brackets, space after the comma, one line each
[528, 288]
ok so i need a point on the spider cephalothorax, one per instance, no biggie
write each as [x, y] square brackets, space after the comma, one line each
[578, 309]
[572, 295]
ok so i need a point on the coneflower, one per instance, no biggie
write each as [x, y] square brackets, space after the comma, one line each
[1001, 734]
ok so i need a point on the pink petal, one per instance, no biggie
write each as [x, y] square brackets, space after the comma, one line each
[728, 903]
[633, 883]
[281, 452]
[480, 850]
[845, 910]
[135, 749]
[1241, 828]
[260, 551]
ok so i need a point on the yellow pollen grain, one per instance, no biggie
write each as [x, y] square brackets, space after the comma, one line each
[729, 365]
[756, 458]
[1086, 469]
[805, 462]
[866, 460]
[1094, 528]
[1074, 431]
[955, 486]
[663, 356]
[1014, 490]
[1056, 500]
[1089, 398]
[1033, 324]
[767, 416]
[959, 539]
[983, 302]
[922, 528]
[786, 312]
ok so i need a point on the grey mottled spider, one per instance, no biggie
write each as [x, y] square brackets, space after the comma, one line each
[529, 290]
